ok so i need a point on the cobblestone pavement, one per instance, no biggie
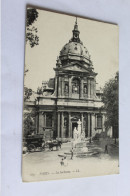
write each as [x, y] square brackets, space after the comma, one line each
[47, 164]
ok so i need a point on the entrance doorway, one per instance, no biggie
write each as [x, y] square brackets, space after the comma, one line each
[74, 124]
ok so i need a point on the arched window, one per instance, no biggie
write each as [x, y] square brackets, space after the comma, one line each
[85, 89]
[65, 122]
[75, 86]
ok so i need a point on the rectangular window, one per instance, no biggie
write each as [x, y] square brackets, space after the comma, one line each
[48, 120]
[99, 122]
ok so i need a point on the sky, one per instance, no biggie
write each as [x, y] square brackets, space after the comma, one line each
[54, 31]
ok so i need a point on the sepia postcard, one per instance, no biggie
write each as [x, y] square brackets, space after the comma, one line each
[70, 110]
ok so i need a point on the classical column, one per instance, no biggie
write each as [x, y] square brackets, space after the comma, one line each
[89, 125]
[54, 124]
[58, 125]
[36, 124]
[88, 88]
[91, 88]
[56, 86]
[70, 87]
[95, 122]
[69, 125]
[86, 124]
[53, 120]
[43, 114]
[82, 120]
[81, 88]
[40, 122]
[94, 87]
[59, 86]
[103, 121]
[62, 86]
[44, 119]
[62, 125]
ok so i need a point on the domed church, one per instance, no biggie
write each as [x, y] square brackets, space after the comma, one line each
[71, 95]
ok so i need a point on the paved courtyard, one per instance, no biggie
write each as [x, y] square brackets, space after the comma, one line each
[46, 165]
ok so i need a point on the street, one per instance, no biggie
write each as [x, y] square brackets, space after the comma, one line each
[46, 165]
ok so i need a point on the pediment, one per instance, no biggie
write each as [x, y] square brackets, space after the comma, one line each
[75, 67]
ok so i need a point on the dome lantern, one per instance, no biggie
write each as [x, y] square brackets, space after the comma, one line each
[76, 33]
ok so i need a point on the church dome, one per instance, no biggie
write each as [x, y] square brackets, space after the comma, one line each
[74, 49]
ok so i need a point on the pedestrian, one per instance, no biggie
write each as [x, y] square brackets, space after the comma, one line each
[65, 161]
[106, 149]
[72, 152]
[62, 162]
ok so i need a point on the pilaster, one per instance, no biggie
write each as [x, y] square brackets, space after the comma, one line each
[59, 86]
[88, 87]
[58, 125]
[93, 124]
[56, 86]
[62, 86]
[62, 124]
[44, 119]
[81, 88]
[69, 125]
[94, 87]
[70, 87]
[89, 125]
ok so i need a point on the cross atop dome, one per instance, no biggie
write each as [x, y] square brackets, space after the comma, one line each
[76, 33]
[76, 25]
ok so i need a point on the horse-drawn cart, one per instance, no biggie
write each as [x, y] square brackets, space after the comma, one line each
[34, 143]
[54, 144]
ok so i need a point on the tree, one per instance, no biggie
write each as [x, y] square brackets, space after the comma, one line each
[29, 122]
[39, 91]
[27, 93]
[33, 39]
[31, 31]
[110, 100]
[32, 16]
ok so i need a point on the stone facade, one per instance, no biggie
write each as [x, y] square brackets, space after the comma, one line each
[72, 95]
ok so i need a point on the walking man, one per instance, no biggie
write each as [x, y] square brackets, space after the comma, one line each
[72, 152]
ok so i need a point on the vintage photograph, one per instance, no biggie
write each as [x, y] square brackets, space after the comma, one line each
[70, 109]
